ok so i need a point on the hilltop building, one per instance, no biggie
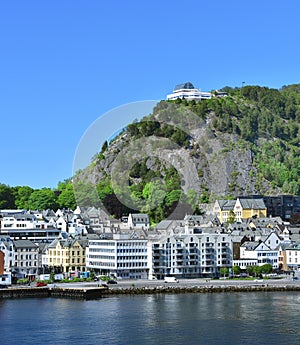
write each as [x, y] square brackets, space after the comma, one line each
[188, 92]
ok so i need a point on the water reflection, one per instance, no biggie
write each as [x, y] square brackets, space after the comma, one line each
[225, 318]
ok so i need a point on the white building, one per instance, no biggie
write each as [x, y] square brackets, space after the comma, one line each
[259, 251]
[292, 258]
[26, 257]
[191, 255]
[23, 225]
[138, 221]
[123, 258]
[188, 92]
[244, 263]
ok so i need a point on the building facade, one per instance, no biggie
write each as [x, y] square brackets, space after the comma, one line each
[121, 258]
[26, 258]
[191, 256]
[188, 92]
[239, 209]
[66, 256]
[291, 260]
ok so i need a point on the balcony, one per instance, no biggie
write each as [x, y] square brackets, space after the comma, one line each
[158, 251]
[208, 263]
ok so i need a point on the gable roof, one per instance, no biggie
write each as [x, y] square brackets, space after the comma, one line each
[24, 244]
[252, 204]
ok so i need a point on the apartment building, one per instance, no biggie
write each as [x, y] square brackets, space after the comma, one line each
[191, 256]
[26, 258]
[291, 258]
[66, 255]
[119, 257]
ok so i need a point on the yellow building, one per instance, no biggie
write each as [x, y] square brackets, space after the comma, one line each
[223, 209]
[248, 208]
[239, 209]
[67, 255]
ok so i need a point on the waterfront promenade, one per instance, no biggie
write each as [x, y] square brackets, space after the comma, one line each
[93, 290]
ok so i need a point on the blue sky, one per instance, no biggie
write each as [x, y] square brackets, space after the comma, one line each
[65, 63]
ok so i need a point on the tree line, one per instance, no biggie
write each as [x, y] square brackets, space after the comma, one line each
[25, 197]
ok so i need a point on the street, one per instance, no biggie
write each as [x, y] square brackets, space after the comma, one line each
[126, 283]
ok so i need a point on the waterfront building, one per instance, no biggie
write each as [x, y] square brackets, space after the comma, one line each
[67, 255]
[191, 255]
[244, 263]
[259, 251]
[5, 277]
[26, 258]
[122, 257]
[291, 258]
[188, 92]
[7, 248]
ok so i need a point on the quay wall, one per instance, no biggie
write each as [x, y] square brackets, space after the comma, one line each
[201, 289]
[99, 292]
[24, 292]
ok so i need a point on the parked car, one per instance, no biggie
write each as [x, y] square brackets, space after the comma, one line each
[111, 281]
[171, 280]
[40, 284]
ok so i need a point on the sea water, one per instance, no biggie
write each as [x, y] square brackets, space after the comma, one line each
[198, 318]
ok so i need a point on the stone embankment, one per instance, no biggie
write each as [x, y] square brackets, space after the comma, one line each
[98, 292]
[201, 289]
[31, 292]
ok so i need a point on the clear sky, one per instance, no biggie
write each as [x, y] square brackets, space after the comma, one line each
[65, 63]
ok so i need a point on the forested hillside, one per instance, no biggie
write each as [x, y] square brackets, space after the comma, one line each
[245, 143]
[190, 152]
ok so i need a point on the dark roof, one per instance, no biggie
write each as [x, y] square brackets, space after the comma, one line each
[24, 244]
[228, 205]
[187, 85]
[255, 204]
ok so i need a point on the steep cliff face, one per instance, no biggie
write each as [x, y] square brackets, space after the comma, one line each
[218, 164]
[194, 152]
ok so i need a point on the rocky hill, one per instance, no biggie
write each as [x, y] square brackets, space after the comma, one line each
[194, 152]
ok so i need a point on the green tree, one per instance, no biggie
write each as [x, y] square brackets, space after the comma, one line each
[231, 217]
[236, 270]
[256, 270]
[249, 270]
[66, 198]
[266, 268]
[86, 194]
[42, 199]
[22, 195]
[224, 271]
[7, 197]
